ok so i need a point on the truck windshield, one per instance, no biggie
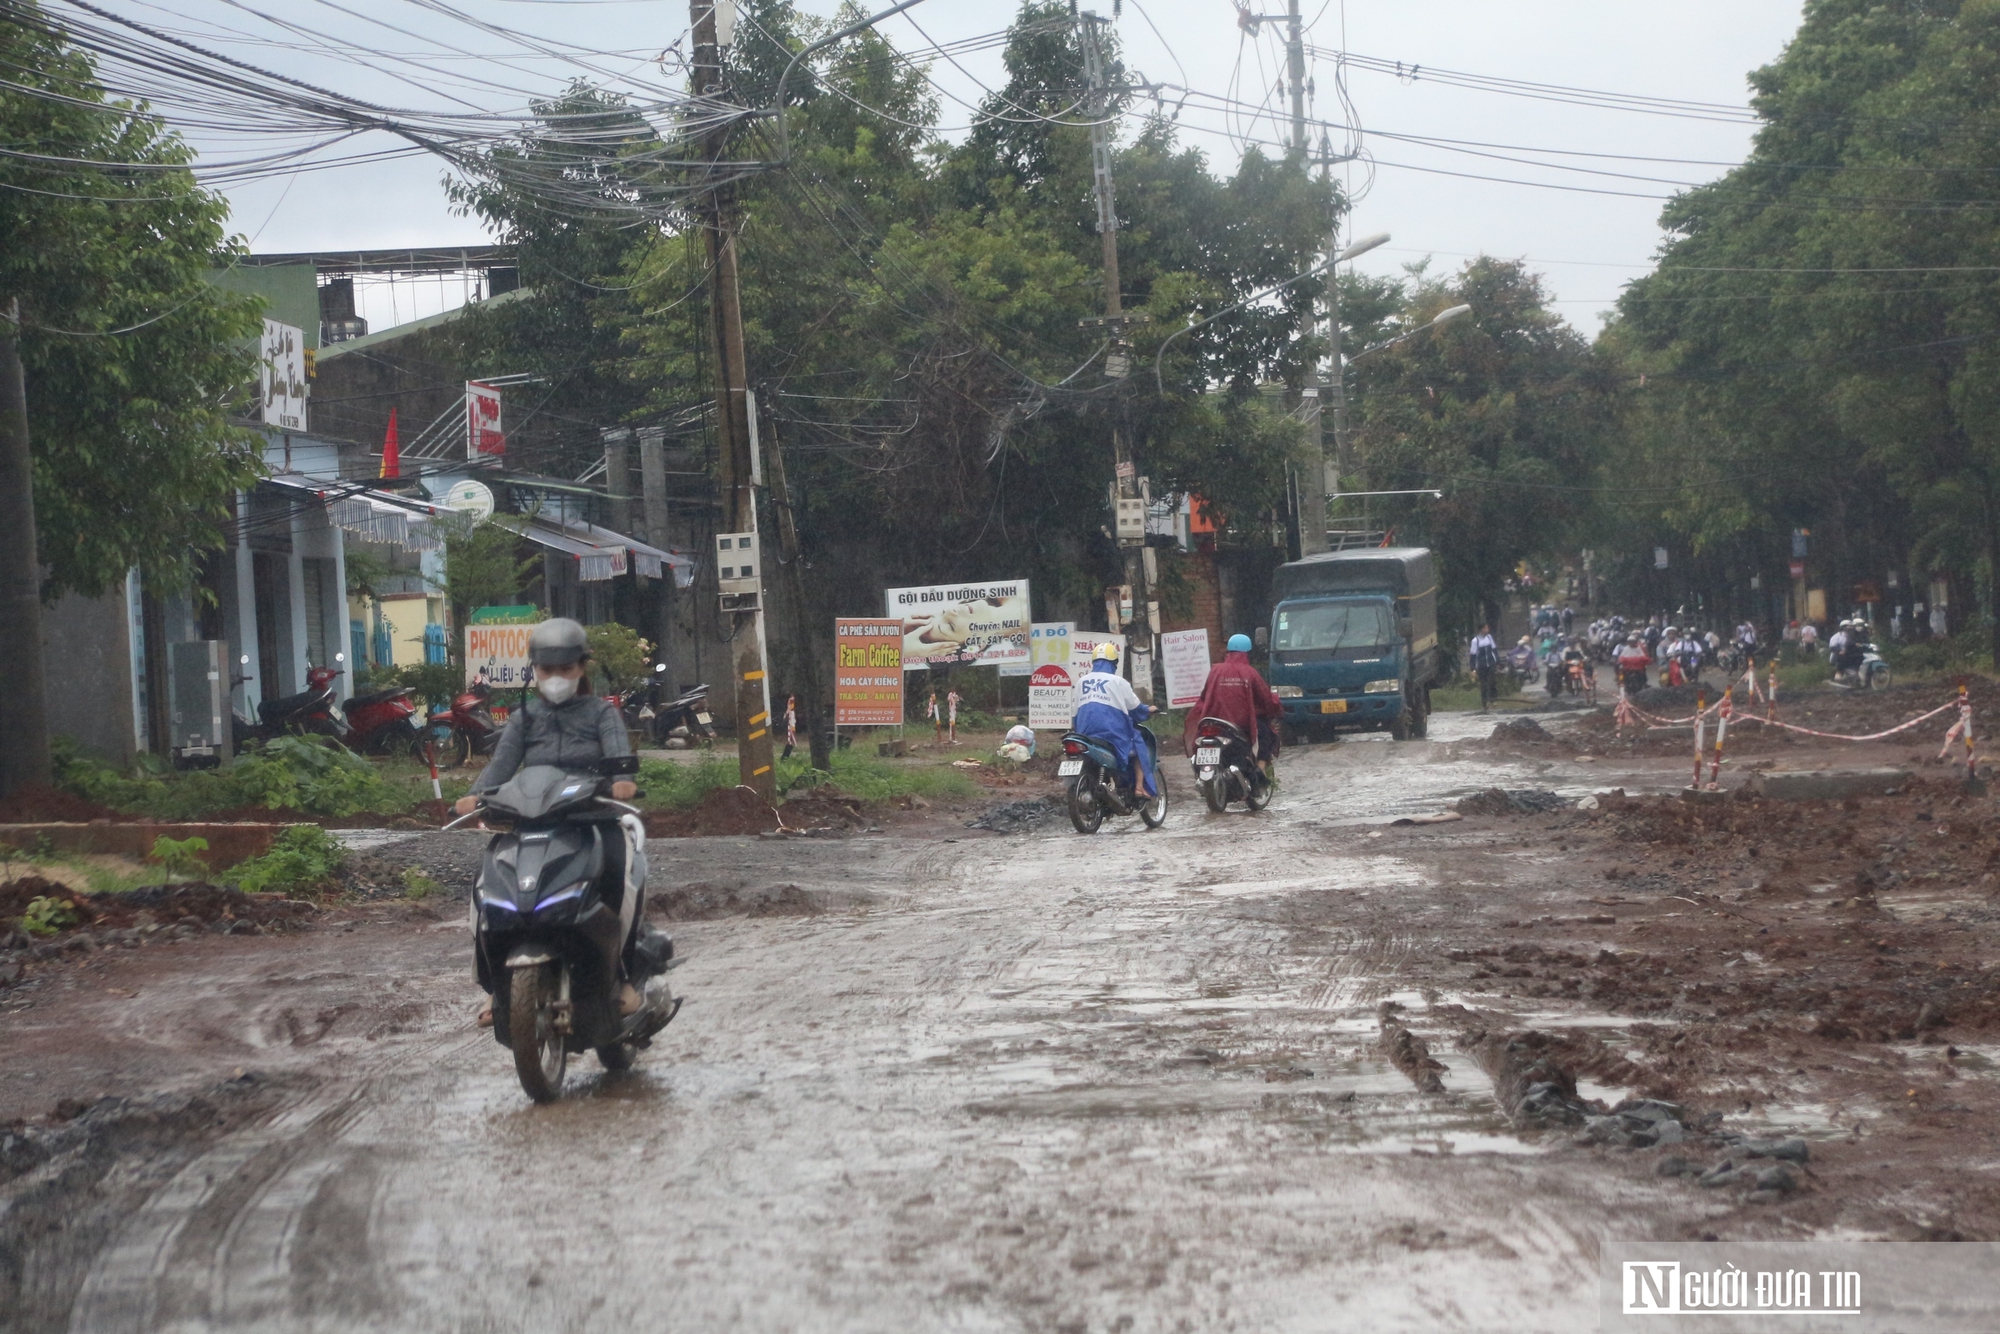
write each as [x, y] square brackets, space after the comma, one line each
[1333, 625]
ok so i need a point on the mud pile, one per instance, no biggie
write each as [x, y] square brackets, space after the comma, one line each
[1521, 801]
[193, 903]
[46, 805]
[1017, 817]
[725, 810]
[702, 901]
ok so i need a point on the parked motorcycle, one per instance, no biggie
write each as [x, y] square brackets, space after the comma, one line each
[683, 720]
[1226, 768]
[1096, 786]
[465, 729]
[312, 711]
[550, 934]
[384, 722]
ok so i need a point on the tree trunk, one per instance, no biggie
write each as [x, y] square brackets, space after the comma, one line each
[24, 720]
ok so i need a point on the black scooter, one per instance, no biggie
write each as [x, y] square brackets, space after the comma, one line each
[551, 937]
[1226, 768]
[1098, 786]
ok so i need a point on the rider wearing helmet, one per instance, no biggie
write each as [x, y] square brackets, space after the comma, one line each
[563, 724]
[1236, 693]
[1109, 710]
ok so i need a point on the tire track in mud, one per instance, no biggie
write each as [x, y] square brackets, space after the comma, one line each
[225, 1242]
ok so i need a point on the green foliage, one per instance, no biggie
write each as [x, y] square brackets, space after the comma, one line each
[302, 860]
[311, 775]
[417, 885]
[45, 916]
[618, 653]
[135, 459]
[178, 856]
[872, 778]
[1817, 351]
[482, 567]
[436, 684]
[668, 783]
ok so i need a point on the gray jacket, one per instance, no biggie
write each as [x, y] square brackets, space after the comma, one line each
[572, 735]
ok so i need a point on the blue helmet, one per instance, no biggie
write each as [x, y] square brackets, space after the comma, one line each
[1239, 643]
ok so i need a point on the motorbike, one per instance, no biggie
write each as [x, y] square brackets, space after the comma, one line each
[311, 711]
[1582, 678]
[551, 938]
[1095, 786]
[680, 722]
[383, 722]
[1871, 673]
[1226, 768]
[1521, 661]
[465, 729]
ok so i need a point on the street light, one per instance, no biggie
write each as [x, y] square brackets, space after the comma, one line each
[1442, 317]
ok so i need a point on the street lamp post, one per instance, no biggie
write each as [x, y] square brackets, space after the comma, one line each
[1340, 400]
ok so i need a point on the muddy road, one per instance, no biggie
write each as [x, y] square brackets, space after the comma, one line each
[944, 1079]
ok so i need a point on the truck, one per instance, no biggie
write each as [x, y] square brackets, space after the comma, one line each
[1354, 642]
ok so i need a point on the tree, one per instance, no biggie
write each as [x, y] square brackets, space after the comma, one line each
[482, 568]
[134, 362]
[1505, 410]
[1815, 334]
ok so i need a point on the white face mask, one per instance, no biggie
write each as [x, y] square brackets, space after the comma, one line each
[556, 689]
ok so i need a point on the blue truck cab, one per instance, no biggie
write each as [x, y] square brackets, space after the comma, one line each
[1354, 644]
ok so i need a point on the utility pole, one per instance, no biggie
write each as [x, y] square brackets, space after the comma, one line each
[735, 444]
[1125, 490]
[24, 722]
[1312, 487]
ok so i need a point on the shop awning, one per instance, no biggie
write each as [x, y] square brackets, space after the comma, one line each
[601, 553]
[372, 515]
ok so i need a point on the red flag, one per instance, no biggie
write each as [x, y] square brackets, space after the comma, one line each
[392, 450]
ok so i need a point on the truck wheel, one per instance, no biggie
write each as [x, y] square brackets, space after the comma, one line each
[1400, 729]
[1420, 716]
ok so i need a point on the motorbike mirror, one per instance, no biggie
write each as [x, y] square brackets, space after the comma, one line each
[1405, 627]
[615, 766]
[1262, 636]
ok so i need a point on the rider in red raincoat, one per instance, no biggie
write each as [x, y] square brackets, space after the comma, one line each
[1238, 694]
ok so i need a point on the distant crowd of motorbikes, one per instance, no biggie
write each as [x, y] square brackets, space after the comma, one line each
[1564, 658]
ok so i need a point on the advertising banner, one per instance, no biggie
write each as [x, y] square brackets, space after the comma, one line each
[1051, 698]
[868, 673]
[500, 651]
[962, 625]
[1083, 643]
[1184, 654]
[281, 376]
[483, 437]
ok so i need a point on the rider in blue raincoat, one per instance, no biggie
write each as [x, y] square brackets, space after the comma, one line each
[1108, 710]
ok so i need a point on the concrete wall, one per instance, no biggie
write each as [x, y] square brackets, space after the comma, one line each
[87, 655]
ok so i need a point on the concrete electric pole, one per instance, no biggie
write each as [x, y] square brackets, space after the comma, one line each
[1128, 498]
[734, 435]
[24, 728]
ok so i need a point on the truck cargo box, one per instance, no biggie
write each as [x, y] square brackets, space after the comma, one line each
[1408, 573]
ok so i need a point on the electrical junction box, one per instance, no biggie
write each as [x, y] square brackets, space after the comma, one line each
[198, 703]
[736, 563]
[1131, 523]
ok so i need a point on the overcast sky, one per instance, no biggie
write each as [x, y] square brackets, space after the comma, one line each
[1423, 194]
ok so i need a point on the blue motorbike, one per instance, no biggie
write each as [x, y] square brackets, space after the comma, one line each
[1095, 786]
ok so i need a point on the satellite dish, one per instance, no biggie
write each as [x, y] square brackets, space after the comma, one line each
[470, 497]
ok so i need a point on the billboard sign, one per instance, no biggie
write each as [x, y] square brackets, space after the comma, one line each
[962, 625]
[281, 376]
[1051, 698]
[868, 672]
[483, 435]
[1184, 653]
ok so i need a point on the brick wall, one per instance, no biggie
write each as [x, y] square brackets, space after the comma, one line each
[1207, 602]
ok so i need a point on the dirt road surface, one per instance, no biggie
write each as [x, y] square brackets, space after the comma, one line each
[929, 1080]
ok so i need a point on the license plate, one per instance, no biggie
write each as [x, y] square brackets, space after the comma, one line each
[701, 718]
[1069, 768]
[1208, 759]
[1333, 706]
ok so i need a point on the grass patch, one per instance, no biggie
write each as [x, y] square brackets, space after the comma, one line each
[418, 886]
[1805, 675]
[300, 862]
[1463, 697]
[872, 778]
[676, 786]
[311, 775]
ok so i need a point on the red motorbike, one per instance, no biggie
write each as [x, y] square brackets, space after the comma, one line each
[465, 729]
[311, 711]
[384, 723]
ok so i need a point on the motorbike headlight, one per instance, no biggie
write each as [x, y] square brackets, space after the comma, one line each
[1287, 692]
[1387, 686]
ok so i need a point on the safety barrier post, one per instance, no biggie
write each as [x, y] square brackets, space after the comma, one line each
[1721, 731]
[1771, 695]
[1700, 732]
